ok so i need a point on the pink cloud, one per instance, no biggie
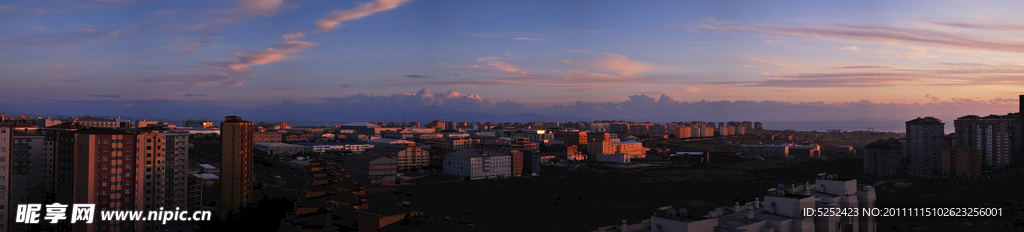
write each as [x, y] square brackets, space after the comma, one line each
[875, 34]
[60, 67]
[779, 63]
[691, 89]
[247, 9]
[616, 63]
[493, 64]
[938, 74]
[292, 36]
[332, 21]
[528, 39]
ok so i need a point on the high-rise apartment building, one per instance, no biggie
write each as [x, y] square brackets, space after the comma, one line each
[176, 158]
[27, 171]
[924, 146]
[236, 165]
[883, 158]
[100, 166]
[6, 153]
[49, 163]
[997, 137]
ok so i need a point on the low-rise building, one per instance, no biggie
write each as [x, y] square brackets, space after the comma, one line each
[272, 148]
[266, 137]
[372, 170]
[89, 121]
[198, 124]
[383, 141]
[614, 158]
[352, 147]
[408, 158]
[766, 150]
[633, 149]
[475, 164]
[207, 168]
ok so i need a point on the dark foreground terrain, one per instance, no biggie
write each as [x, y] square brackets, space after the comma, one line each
[595, 194]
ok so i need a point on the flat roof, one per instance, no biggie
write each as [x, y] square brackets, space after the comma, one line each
[276, 144]
[624, 142]
[475, 153]
[206, 176]
[208, 166]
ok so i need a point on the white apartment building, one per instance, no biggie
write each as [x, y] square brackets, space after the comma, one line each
[475, 164]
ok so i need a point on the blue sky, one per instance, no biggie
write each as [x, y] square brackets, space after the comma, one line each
[134, 57]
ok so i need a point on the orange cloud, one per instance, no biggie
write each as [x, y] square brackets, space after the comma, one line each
[245, 59]
[232, 72]
[332, 21]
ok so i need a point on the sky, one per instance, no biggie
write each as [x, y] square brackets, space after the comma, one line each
[362, 60]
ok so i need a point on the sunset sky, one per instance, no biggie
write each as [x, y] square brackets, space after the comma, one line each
[138, 57]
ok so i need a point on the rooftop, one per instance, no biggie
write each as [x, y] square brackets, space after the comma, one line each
[475, 153]
[925, 121]
[625, 142]
[330, 143]
[365, 124]
[206, 176]
[101, 131]
[90, 118]
[66, 125]
[366, 158]
[418, 224]
[18, 133]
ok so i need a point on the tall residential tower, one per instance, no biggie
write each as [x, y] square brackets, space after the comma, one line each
[236, 165]
[924, 146]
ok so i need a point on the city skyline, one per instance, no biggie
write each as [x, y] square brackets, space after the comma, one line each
[651, 61]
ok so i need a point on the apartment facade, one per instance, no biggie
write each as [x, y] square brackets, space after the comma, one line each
[997, 137]
[236, 165]
[924, 146]
[6, 158]
[267, 136]
[599, 143]
[408, 157]
[372, 170]
[89, 121]
[961, 161]
[633, 149]
[101, 166]
[475, 164]
[884, 158]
